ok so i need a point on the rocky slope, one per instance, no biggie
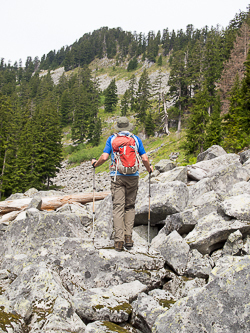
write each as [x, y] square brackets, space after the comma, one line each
[193, 277]
[122, 84]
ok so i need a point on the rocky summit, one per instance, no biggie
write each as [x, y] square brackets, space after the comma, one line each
[59, 271]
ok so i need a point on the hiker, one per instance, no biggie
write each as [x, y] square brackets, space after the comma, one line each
[124, 147]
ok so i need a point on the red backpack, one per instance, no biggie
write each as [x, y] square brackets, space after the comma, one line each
[126, 157]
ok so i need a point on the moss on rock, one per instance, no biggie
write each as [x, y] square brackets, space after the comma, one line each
[113, 327]
[8, 319]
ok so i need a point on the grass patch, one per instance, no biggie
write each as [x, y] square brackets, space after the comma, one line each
[85, 154]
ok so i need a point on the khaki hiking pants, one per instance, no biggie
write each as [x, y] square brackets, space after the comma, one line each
[124, 191]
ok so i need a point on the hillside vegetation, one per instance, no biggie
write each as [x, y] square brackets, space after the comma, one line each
[35, 112]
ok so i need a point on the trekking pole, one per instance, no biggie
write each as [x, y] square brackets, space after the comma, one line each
[93, 231]
[149, 176]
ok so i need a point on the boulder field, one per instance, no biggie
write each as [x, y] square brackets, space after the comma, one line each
[59, 271]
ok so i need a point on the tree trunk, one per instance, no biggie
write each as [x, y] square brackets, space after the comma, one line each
[165, 127]
[179, 121]
[2, 174]
[50, 203]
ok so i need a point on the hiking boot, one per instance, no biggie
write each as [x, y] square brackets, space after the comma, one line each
[128, 242]
[119, 246]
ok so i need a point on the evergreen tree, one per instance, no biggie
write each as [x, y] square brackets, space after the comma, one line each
[197, 122]
[132, 92]
[213, 131]
[159, 61]
[47, 143]
[7, 144]
[125, 103]
[111, 97]
[233, 137]
[178, 81]
[143, 97]
[245, 91]
[132, 64]
[24, 177]
[65, 108]
[96, 132]
[149, 125]
[212, 64]
[85, 107]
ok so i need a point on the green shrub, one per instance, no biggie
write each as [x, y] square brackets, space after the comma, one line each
[85, 154]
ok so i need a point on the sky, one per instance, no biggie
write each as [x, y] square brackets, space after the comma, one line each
[33, 28]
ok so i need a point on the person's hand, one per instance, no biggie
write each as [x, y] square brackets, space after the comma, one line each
[93, 162]
[151, 169]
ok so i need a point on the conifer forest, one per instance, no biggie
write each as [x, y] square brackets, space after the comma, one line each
[208, 96]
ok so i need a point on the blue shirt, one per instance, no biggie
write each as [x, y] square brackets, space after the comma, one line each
[108, 149]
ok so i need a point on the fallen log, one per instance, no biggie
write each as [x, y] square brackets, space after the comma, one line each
[50, 203]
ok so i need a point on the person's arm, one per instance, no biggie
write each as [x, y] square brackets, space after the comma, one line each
[146, 162]
[103, 158]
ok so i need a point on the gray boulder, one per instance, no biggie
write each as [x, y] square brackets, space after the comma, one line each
[198, 189]
[213, 307]
[166, 199]
[81, 265]
[106, 327]
[198, 265]
[211, 153]
[224, 263]
[246, 245]
[110, 304]
[185, 221]
[165, 165]
[182, 222]
[38, 296]
[212, 231]
[174, 250]
[25, 236]
[239, 188]
[233, 245]
[196, 173]
[35, 203]
[179, 173]
[237, 207]
[211, 166]
[142, 231]
[146, 309]
[223, 179]
[244, 156]
[181, 286]
[31, 192]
